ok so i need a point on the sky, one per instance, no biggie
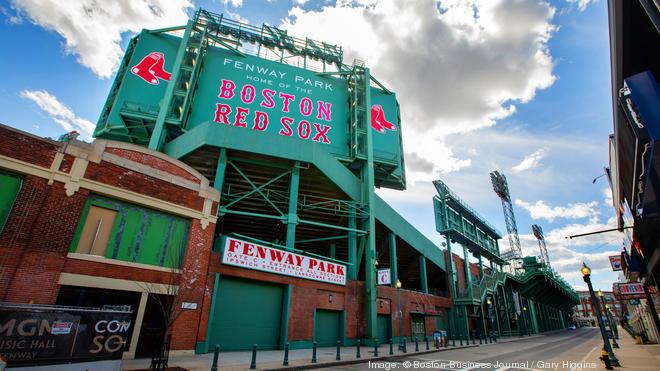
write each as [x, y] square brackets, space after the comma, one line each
[518, 86]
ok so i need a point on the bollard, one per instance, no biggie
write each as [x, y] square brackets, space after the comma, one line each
[426, 339]
[405, 349]
[358, 349]
[253, 363]
[376, 348]
[453, 341]
[338, 357]
[391, 346]
[314, 352]
[216, 353]
[480, 337]
[460, 340]
[446, 339]
[286, 355]
[473, 339]
[416, 344]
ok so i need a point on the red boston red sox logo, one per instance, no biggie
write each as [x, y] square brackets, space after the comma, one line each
[378, 120]
[150, 68]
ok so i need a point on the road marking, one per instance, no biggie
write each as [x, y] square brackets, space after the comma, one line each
[584, 359]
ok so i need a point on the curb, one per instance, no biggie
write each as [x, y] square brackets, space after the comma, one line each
[365, 360]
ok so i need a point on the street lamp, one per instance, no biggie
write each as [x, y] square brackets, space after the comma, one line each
[615, 345]
[586, 275]
[398, 306]
[527, 329]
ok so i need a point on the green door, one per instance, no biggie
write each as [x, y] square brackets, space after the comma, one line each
[384, 328]
[418, 327]
[326, 327]
[247, 312]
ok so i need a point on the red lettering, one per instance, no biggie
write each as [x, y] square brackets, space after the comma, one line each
[299, 260]
[260, 121]
[340, 270]
[321, 133]
[325, 111]
[289, 259]
[304, 129]
[247, 94]
[306, 106]
[227, 89]
[248, 249]
[286, 126]
[234, 244]
[261, 252]
[312, 263]
[331, 268]
[321, 266]
[276, 255]
[239, 120]
[286, 99]
[268, 101]
[221, 112]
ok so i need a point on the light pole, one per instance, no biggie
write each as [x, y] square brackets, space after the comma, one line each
[586, 275]
[398, 306]
[616, 323]
[527, 329]
[609, 319]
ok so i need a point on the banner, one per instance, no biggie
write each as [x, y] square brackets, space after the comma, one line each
[384, 277]
[267, 259]
[615, 262]
[31, 336]
[628, 291]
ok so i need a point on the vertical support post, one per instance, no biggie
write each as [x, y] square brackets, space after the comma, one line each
[157, 136]
[352, 247]
[394, 273]
[422, 274]
[220, 171]
[368, 185]
[333, 250]
[466, 268]
[481, 267]
[292, 219]
[449, 263]
[284, 321]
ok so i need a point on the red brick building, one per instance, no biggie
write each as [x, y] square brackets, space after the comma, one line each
[586, 312]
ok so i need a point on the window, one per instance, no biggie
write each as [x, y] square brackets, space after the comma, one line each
[10, 185]
[131, 233]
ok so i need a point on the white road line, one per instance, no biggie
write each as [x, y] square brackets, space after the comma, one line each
[584, 359]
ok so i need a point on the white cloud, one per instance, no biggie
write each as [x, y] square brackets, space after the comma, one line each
[607, 194]
[93, 29]
[234, 3]
[456, 67]
[581, 4]
[530, 161]
[300, 2]
[59, 112]
[541, 210]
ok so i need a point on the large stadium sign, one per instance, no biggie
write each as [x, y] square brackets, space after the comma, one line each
[263, 97]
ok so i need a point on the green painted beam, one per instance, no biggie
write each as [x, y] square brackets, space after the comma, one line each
[352, 247]
[292, 219]
[422, 274]
[394, 273]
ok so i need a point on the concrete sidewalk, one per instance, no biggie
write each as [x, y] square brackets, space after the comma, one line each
[301, 358]
[633, 356]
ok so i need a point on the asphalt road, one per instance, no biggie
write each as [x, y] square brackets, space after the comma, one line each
[575, 350]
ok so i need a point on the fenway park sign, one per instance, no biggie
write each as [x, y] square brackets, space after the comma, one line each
[267, 259]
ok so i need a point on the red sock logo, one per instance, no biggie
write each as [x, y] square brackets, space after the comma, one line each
[150, 68]
[378, 121]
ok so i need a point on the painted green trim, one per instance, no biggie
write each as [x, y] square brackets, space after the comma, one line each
[157, 136]
[320, 239]
[10, 188]
[292, 219]
[91, 201]
[209, 324]
[352, 247]
[342, 327]
[333, 250]
[286, 309]
[394, 273]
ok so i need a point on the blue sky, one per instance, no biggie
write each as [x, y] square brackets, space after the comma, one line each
[522, 87]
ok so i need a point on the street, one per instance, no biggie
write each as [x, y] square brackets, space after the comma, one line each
[566, 350]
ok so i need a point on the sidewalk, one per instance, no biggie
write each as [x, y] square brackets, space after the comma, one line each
[301, 358]
[634, 356]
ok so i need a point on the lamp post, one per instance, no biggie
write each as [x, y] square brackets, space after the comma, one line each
[586, 275]
[615, 345]
[527, 329]
[398, 309]
[612, 317]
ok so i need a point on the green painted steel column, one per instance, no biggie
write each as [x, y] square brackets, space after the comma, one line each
[352, 247]
[220, 171]
[394, 273]
[466, 268]
[453, 293]
[333, 250]
[209, 323]
[496, 310]
[157, 136]
[533, 316]
[506, 319]
[286, 309]
[422, 274]
[561, 319]
[292, 219]
[481, 267]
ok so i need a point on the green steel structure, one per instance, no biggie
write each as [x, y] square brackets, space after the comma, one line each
[496, 302]
[296, 142]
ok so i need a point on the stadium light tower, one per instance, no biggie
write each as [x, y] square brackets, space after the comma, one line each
[538, 233]
[501, 188]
